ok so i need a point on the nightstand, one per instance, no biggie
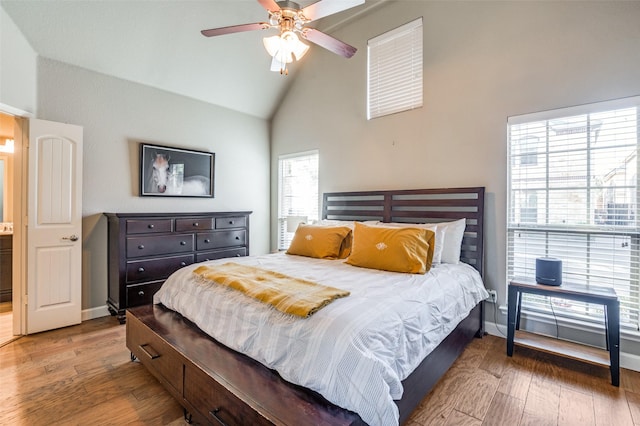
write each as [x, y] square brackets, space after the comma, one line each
[591, 294]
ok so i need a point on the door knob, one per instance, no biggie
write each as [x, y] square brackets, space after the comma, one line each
[71, 238]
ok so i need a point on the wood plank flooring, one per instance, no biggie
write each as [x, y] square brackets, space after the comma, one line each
[83, 375]
[6, 323]
[486, 387]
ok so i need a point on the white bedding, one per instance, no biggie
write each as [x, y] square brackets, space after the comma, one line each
[355, 351]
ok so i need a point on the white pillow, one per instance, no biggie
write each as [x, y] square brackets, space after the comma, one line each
[349, 223]
[440, 238]
[440, 235]
[335, 222]
[454, 231]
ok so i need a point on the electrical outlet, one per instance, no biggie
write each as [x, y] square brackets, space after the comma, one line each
[493, 296]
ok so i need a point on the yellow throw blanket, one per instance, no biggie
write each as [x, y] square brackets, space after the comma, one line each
[287, 294]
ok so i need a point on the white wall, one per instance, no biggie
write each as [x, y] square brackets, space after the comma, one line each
[483, 62]
[116, 116]
[17, 69]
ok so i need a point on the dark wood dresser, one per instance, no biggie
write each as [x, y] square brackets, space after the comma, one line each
[6, 259]
[145, 248]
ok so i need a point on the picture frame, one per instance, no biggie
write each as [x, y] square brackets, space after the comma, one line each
[175, 172]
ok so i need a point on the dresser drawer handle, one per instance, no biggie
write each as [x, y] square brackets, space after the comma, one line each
[183, 263]
[207, 241]
[214, 413]
[231, 222]
[150, 226]
[183, 243]
[140, 269]
[196, 224]
[238, 255]
[150, 353]
[237, 237]
[141, 293]
[141, 247]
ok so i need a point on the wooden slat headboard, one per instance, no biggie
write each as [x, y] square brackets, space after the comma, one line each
[416, 206]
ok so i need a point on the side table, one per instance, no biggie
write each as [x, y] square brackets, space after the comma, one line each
[591, 294]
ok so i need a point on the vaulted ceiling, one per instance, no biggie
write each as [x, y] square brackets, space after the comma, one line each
[158, 43]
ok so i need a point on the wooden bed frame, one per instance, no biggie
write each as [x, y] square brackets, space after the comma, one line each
[220, 386]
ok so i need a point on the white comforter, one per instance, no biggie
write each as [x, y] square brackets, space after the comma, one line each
[355, 351]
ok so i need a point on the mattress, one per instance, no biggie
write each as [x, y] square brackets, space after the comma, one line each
[355, 351]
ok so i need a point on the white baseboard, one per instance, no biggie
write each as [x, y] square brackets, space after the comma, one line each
[93, 313]
[630, 361]
[627, 360]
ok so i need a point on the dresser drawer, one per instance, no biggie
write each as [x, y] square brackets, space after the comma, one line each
[156, 269]
[142, 294]
[221, 254]
[156, 354]
[6, 241]
[153, 245]
[195, 224]
[220, 239]
[215, 402]
[146, 226]
[231, 222]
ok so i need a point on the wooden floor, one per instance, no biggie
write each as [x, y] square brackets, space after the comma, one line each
[6, 323]
[83, 375]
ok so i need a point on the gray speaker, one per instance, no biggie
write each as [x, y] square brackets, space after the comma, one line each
[548, 271]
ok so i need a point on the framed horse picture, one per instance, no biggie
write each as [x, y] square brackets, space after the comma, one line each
[175, 172]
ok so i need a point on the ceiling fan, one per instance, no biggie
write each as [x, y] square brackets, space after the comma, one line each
[290, 19]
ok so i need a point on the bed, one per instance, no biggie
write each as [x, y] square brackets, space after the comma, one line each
[216, 383]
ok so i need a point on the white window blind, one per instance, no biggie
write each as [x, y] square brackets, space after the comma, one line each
[297, 193]
[394, 81]
[573, 195]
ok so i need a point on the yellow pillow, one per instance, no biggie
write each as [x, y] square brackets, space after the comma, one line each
[392, 249]
[323, 242]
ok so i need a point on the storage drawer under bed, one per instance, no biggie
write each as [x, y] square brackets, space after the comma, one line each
[215, 403]
[157, 355]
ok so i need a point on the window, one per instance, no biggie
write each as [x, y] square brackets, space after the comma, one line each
[297, 193]
[577, 201]
[394, 82]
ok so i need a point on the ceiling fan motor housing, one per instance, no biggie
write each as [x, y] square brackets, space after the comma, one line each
[289, 17]
[289, 5]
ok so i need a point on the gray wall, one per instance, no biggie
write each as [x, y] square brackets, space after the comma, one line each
[483, 62]
[17, 69]
[116, 115]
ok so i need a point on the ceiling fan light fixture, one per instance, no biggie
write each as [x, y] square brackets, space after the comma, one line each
[272, 44]
[300, 49]
[275, 18]
[283, 48]
[291, 43]
[277, 66]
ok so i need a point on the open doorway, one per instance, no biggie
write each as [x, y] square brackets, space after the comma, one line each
[7, 137]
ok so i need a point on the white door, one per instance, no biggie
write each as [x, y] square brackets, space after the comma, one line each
[54, 226]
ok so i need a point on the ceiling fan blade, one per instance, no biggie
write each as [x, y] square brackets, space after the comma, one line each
[328, 42]
[235, 29]
[324, 8]
[270, 5]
